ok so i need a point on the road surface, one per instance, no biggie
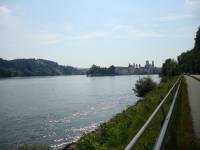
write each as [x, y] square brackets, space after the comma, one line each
[194, 101]
[197, 76]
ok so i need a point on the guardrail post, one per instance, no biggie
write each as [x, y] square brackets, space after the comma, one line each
[163, 114]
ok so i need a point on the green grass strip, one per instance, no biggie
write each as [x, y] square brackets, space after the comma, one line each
[182, 134]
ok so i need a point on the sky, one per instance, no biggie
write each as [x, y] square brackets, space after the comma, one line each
[102, 32]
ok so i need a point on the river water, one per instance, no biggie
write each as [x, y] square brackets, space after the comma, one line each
[58, 110]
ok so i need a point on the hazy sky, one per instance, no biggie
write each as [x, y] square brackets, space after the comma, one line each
[102, 32]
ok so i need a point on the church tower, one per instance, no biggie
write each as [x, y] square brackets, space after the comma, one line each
[153, 64]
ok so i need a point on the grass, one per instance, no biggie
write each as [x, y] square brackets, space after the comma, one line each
[117, 133]
[182, 133]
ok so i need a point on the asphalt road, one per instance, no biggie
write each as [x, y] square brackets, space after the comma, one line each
[194, 101]
[197, 76]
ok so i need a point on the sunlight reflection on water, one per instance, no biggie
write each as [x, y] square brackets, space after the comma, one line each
[58, 110]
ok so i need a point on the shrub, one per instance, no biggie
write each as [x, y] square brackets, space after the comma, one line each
[143, 86]
[164, 79]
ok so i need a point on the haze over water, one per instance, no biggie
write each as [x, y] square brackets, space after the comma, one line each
[57, 110]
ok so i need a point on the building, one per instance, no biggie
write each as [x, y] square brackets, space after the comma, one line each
[138, 69]
[122, 70]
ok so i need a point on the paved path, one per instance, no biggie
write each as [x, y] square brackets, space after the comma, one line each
[197, 76]
[194, 101]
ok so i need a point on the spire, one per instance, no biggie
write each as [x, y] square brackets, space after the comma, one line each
[152, 63]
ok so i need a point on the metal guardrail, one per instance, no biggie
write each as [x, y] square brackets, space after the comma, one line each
[160, 140]
[162, 134]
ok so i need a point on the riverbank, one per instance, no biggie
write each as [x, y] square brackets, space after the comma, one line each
[117, 132]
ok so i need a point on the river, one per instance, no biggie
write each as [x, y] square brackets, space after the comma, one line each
[58, 110]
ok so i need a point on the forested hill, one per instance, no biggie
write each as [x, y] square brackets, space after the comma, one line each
[34, 67]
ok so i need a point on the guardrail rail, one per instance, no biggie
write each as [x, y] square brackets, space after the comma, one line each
[160, 142]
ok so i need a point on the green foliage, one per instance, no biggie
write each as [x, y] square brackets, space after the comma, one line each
[98, 71]
[34, 67]
[164, 79]
[189, 61]
[170, 68]
[144, 86]
[197, 40]
[117, 133]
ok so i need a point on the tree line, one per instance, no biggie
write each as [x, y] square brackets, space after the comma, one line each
[188, 62]
[99, 71]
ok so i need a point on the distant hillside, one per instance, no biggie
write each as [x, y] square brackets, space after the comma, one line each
[34, 67]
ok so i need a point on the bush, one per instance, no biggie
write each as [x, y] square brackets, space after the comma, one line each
[143, 86]
[164, 79]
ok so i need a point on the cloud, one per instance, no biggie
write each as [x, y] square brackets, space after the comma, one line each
[119, 31]
[149, 34]
[15, 30]
[116, 32]
[91, 35]
[169, 18]
[15, 33]
[193, 2]
[4, 10]
[49, 38]
[184, 32]
[124, 31]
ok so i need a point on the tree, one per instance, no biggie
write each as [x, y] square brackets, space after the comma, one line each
[197, 40]
[170, 68]
[111, 70]
[143, 86]
[190, 61]
[98, 71]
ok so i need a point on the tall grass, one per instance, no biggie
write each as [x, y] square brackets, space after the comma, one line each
[117, 133]
[182, 133]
